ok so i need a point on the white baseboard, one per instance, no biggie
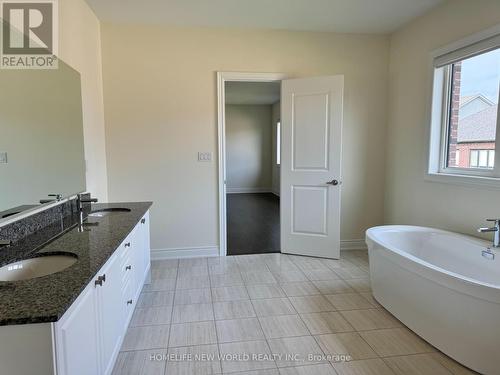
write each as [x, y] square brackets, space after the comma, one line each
[184, 252]
[353, 245]
[247, 190]
[213, 251]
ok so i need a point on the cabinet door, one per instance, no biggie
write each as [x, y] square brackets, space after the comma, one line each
[137, 260]
[145, 243]
[112, 312]
[77, 337]
[140, 251]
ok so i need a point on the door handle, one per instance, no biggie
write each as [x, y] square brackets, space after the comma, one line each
[334, 182]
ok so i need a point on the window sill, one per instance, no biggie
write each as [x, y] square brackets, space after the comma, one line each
[463, 180]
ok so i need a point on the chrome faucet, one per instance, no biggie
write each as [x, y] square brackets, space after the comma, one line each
[80, 201]
[79, 204]
[495, 229]
[56, 198]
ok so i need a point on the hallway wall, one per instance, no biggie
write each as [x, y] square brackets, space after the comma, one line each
[248, 148]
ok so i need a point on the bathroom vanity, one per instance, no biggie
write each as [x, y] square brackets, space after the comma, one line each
[73, 321]
[68, 283]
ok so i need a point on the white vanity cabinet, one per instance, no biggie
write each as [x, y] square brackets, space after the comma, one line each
[88, 337]
[136, 264]
[111, 315]
[76, 337]
[141, 258]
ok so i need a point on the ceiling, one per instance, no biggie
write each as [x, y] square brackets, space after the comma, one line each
[252, 92]
[345, 16]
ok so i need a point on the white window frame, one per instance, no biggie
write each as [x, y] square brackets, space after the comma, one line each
[440, 61]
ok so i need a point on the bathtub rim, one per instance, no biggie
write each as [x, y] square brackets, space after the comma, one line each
[472, 287]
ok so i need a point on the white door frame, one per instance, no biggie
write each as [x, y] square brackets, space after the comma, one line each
[222, 78]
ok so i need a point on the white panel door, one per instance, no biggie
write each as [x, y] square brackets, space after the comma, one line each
[311, 126]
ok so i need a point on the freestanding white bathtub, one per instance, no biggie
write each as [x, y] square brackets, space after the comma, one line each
[440, 286]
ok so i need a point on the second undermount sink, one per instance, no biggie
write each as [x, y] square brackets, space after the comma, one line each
[109, 211]
[36, 267]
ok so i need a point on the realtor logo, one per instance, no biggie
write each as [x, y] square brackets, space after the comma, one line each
[29, 34]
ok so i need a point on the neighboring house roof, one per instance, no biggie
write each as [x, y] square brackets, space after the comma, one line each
[479, 127]
[466, 99]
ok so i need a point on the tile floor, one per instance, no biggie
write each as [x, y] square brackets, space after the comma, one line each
[290, 315]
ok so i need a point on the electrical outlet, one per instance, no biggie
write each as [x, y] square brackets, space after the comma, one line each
[3, 158]
[204, 156]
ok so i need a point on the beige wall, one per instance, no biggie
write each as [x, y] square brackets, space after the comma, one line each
[248, 148]
[409, 198]
[80, 47]
[160, 90]
[276, 179]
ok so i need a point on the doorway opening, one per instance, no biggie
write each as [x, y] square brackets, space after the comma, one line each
[249, 135]
[310, 164]
[252, 114]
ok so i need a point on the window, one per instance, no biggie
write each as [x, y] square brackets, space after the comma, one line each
[278, 143]
[465, 114]
[482, 159]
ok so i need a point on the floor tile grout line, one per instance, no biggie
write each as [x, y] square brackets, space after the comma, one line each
[216, 333]
[172, 313]
[435, 350]
[356, 291]
[306, 328]
[175, 292]
[262, 330]
[316, 341]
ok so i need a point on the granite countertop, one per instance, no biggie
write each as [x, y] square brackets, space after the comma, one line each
[46, 299]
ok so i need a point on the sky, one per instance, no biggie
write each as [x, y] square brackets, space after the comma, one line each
[481, 75]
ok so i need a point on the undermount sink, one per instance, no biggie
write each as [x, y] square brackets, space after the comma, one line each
[36, 267]
[109, 211]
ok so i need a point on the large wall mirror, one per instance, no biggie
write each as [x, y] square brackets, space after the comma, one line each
[41, 137]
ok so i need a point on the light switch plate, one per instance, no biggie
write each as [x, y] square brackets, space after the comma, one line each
[204, 156]
[3, 158]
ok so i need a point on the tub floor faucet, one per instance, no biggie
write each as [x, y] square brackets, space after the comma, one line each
[495, 229]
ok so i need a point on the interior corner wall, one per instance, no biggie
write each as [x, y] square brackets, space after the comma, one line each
[80, 47]
[409, 198]
[248, 148]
